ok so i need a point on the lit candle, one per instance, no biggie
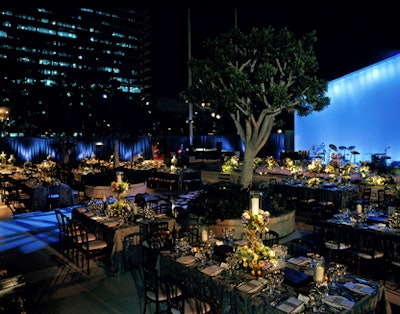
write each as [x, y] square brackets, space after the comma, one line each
[119, 178]
[319, 274]
[254, 206]
[359, 208]
[204, 235]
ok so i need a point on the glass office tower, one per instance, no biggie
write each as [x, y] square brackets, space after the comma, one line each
[79, 43]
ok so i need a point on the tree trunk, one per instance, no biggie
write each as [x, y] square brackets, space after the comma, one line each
[116, 153]
[246, 176]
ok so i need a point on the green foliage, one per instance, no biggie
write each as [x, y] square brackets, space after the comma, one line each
[262, 69]
[220, 201]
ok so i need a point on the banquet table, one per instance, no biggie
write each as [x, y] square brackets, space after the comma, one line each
[39, 196]
[224, 287]
[114, 233]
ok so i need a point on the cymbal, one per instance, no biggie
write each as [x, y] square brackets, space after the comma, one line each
[333, 147]
[342, 147]
[354, 152]
[351, 147]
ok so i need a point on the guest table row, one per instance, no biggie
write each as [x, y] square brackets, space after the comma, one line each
[114, 230]
[242, 293]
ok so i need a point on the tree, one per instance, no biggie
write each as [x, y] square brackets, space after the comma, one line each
[254, 77]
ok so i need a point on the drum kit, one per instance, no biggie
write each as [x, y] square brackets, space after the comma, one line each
[344, 148]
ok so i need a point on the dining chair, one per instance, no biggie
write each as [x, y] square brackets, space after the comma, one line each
[334, 243]
[158, 235]
[306, 199]
[190, 232]
[365, 197]
[53, 198]
[87, 246]
[132, 251]
[161, 291]
[392, 258]
[367, 250]
[62, 231]
[270, 237]
[384, 200]
[196, 304]
[301, 247]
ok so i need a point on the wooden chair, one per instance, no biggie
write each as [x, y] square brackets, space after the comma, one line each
[88, 247]
[197, 304]
[365, 197]
[333, 242]
[62, 230]
[158, 290]
[301, 247]
[367, 251]
[190, 232]
[158, 235]
[270, 237]
[132, 252]
[53, 198]
[392, 258]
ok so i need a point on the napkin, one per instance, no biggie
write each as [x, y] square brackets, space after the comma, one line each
[212, 270]
[291, 305]
[241, 242]
[250, 286]
[338, 301]
[301, 260]
[186, 260]
[111, 224]
[359, 287]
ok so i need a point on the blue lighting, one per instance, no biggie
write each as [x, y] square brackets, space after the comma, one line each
[363, 113]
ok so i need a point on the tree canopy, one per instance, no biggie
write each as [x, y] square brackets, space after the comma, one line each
[254, 77]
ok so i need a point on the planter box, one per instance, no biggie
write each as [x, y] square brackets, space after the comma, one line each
[284, 225]
[99, 190]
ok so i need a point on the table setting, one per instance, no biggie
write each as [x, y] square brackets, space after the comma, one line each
[254, 278]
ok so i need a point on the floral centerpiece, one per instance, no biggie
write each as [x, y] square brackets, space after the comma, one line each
[256, 257]
[119, 208]
[230, 164]
[119, 187]
[47, 169]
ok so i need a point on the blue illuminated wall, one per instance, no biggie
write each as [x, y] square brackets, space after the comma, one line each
[364, 112]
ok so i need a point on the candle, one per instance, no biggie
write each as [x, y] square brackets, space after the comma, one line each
[359, 208]
[104, 198]
[204, 235]
[319, 273]
[119, 178]
[254, 206]
[135, 209]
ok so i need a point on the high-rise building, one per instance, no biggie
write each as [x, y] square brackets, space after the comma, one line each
[99, 45]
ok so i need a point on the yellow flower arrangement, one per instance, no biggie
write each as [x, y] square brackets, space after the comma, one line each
[118, 208]
[294, 168]
[256, 257]
[314, 182]
[119, 187]
[47, 169]
[230, 164]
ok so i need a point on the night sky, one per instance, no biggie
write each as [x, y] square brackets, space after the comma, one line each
[348, 38]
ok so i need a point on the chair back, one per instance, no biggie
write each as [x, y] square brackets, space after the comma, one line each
[270, 237]
[132, 252]
[301, 247]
